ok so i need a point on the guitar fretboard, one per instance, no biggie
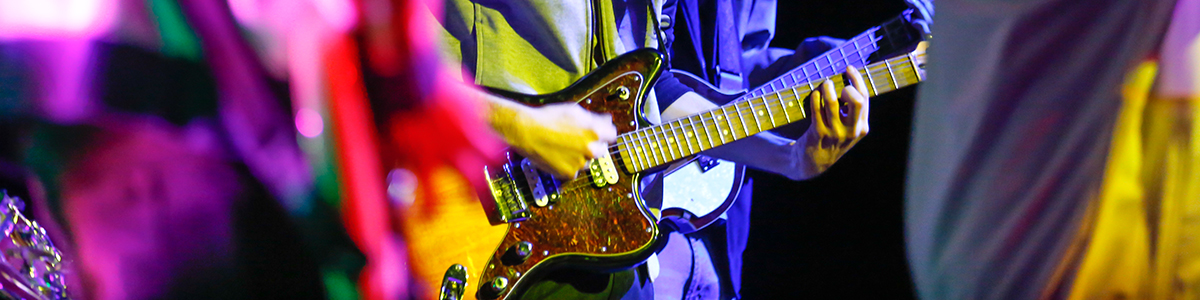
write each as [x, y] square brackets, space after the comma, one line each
[882, 41]
[785, 102]
[854, 52]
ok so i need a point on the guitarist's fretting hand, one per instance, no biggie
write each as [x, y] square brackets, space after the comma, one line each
[559, 138]
[835, 127]
[830, 135]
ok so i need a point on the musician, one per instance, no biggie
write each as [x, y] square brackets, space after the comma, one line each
[538, 47]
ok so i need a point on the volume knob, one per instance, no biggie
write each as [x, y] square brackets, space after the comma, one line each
[498, 285]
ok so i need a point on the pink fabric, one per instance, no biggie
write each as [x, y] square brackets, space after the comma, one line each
[1179, 72]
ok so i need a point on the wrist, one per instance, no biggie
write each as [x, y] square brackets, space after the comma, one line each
[813, 159]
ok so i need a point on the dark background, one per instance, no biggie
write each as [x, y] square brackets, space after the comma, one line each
[840, 235]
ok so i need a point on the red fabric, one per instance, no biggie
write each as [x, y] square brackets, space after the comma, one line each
[440, 126]
[364, 207]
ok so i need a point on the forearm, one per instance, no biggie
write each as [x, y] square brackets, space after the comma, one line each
[769, 152]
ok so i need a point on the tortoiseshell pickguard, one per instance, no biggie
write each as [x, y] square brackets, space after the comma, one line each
[606, 228]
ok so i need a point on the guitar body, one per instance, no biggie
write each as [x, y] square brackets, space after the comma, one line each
[597, 221]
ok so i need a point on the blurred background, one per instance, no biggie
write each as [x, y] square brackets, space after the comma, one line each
[840, 235]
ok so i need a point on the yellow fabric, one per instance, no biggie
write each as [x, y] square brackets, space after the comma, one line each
[1143, 243]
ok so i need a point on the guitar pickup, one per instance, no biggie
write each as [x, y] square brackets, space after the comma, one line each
[603, 171]
[542, 186]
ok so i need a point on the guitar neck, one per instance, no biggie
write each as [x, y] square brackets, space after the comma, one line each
[655, 146]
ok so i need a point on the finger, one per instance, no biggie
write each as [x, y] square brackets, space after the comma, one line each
[814, 107]
[852, 104]
[831, 107]
[568, 168]
[605, 131]
[597, 149]
[856, 120]
[856, 80]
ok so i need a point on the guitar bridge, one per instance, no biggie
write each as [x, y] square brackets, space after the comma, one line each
[510, 203]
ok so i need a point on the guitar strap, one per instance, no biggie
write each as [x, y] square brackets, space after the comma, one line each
[604, 37]
[727, 59]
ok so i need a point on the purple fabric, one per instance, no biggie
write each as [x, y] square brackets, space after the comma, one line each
[1011, 134]
[257, 124]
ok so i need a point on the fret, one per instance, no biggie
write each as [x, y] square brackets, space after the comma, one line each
[807, 79]
[738, 111]
[858, 50]
[717, 126]
[653, 150]
[767, 106]
[705, 131]
[660, 143]
[686, 141]
[913, 63]
[831, 69]
[699, 143]
[725, 114]
[638, 152]
[642, 151]
[753, 114]
[646, 149]
[800, 103]
[669, 139]
[695, 134]
[888, 64]
[871, 84]
[665, 143]
[679, 138]
[642, 148]
[783, 106]
[845, 60]
[631, 151]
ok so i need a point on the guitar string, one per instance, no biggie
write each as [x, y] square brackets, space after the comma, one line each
[909, 78]
[673, 128]
[632, 138]
[764, 98]
[908, 74]
[881, 70]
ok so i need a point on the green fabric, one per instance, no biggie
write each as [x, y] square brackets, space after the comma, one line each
[179, 41]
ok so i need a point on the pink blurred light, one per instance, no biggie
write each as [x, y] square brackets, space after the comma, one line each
[309, 123]
[55, 18]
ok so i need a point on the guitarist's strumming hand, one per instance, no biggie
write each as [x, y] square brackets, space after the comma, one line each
[558, 138]
[837, 124]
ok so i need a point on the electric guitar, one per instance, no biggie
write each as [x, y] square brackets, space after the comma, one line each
[598, 220]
